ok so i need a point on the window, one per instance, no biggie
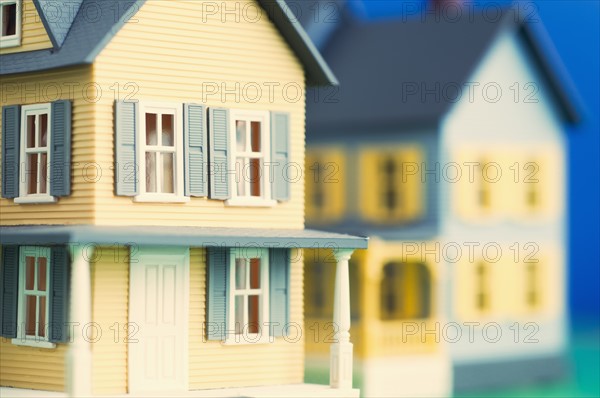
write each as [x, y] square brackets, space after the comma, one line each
[161, 153]
[482, 297]
[10, 23]
[405, 291]
[532, 297]
[251, 153]
[483, 187]
[391, 187]
[34, 277]
[248, 300]
[35, 155]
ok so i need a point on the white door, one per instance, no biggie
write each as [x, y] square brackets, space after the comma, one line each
[158, 311]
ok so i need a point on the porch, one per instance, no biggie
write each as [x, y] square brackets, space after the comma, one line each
[80, 360]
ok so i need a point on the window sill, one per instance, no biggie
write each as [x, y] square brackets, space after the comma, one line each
[35, 199]
[8, 42]
[33, 343]
[250, 202]
[160, 198]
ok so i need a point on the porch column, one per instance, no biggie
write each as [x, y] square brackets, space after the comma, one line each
[340, 366]
[79, 362]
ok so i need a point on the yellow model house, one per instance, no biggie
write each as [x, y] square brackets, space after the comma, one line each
[152, 203]
[445, 144]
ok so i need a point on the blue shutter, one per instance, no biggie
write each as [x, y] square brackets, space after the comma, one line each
[218, 290]
[126, 167]
[280, 155]
[196, 159]
[59, 294]
[9, 291]
[11, 126]
[219, 153]
[279, 286]
[60, 136]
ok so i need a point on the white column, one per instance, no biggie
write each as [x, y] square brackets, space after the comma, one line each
[79, 363]
[340, 366]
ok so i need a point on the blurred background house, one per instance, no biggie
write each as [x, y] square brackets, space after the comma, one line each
[398, 106]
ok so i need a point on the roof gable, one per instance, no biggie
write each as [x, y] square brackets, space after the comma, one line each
[80, 40]
[57, 21]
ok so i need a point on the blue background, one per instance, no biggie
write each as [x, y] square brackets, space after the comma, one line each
[574, 29]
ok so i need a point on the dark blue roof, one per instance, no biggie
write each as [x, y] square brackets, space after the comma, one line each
[95, 22]
[375, 60]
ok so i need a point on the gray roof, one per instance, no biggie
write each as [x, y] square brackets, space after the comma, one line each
[57, 18]
[78, 37]
[374, 60]
[177, 236]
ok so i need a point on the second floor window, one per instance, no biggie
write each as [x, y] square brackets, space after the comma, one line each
[35, 152]
[391, 186]
[10, 23]
[161, 148]
[251, 153]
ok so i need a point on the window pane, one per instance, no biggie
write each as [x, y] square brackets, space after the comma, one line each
[255, 126]
[255, 177]
[42, 263]
[42, 318]
[239, 314]
[43, 138]
[240, 177]
[151, 136]
[9, 20]
[29, 272]
[253, 315]
[30, 314]
[31, 131]
[168, 173]
[168, 128]
[43, 176]
[255, 273]
[240, 273]
[32, 173]
[240, 135]
[150, 172]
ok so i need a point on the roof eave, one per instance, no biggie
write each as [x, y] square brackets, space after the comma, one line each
[318, 73]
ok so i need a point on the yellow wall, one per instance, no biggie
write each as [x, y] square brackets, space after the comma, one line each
[110, 305]
[33, 33]
[213, 365]
[167, 55]
[32, 368]
[42, 88]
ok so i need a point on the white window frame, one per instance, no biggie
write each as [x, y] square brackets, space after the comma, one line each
[176, 109]
[24, 198]
[264, 118]
[264, 329]
[22, 339]
[13, 40]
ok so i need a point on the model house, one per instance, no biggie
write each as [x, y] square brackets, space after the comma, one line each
[445, 145]
[153, 201]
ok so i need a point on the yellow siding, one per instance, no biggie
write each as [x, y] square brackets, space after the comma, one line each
[110, 300]
[42, 88]
[33, 34]
[33, 368]
[168, 54]
[213, 365]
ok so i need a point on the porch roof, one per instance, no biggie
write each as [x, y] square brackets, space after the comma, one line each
[177, 236]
